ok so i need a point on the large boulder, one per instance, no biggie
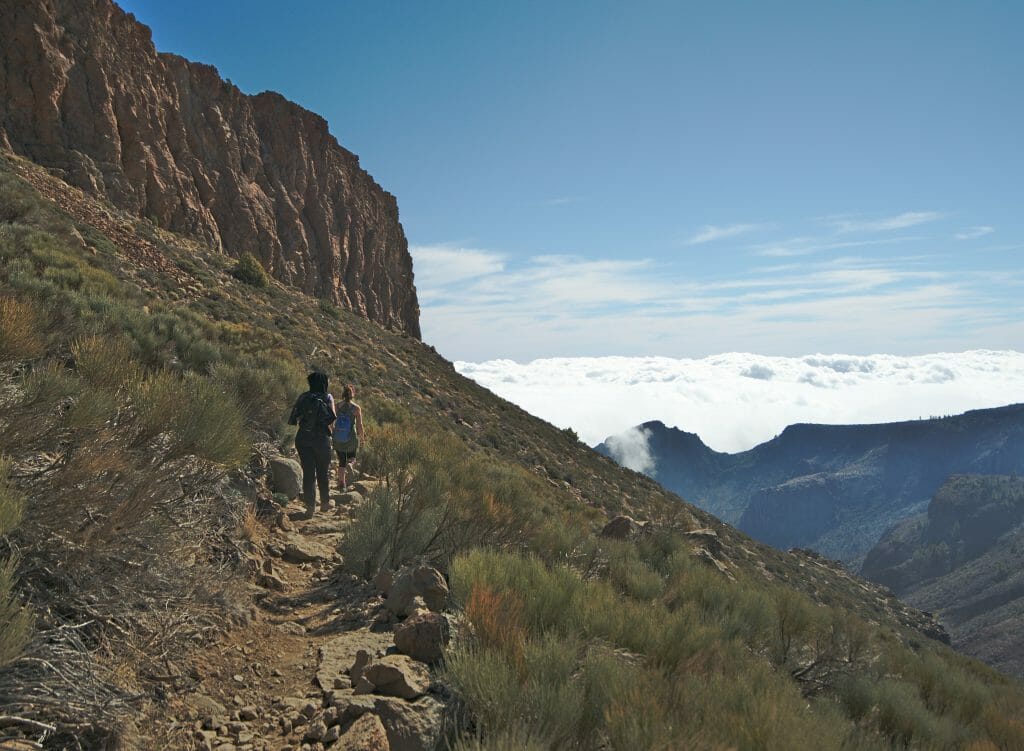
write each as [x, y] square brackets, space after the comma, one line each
[397, 675]
[622, 528]
[423, 636]
[420, 581]
[285, 476]
[411, 726]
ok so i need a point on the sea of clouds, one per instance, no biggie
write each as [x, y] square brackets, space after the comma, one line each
[735, 401]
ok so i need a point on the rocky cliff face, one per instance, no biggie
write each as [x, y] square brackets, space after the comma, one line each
[962, 559]
[84, 92]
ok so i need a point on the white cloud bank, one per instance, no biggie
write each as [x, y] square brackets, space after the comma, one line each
[735, 401]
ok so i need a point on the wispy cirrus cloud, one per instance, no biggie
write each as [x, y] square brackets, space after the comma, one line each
[803, 246]
[844, 224]
[973, 232]
[710, 232]
[562, 200]
[438, 266]
[570, 305]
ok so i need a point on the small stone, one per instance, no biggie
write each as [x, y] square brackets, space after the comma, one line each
[248, 713]
[238, 678]
[317, 730]
[309, 709]
[286, 726]
[332, 734]
[363, 659]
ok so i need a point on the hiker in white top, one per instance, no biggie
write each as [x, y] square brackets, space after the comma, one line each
[348, 432]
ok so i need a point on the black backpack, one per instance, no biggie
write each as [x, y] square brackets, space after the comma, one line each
[313, 414]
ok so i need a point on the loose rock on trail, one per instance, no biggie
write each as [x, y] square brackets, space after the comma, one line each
[316, 666]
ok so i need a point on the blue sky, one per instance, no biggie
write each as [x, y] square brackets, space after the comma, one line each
[668, 178]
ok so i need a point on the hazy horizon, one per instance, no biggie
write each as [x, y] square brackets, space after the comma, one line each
[735, 401]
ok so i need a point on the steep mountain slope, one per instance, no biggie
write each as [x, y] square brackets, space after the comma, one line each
[690, 597]
[963, 559]
[836, 488]
[84, 93]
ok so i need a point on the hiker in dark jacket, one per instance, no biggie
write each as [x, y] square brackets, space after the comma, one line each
[314, 414]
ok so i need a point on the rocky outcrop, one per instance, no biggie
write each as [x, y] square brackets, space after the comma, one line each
[961, 558]
[84, 92]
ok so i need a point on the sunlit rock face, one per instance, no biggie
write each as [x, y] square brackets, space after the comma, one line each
[84, 92]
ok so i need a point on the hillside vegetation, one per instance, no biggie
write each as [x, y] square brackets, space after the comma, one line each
[143, 383]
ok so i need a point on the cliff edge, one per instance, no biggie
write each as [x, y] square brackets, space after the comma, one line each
[84, 92]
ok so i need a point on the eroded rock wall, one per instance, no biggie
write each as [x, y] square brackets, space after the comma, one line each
[84, 92]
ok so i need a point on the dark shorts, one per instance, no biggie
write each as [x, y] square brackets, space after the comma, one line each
[346, 450]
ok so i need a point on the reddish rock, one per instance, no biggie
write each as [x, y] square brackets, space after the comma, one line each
[84, 92]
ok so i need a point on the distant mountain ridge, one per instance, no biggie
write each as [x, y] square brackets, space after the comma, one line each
[835, 488]
[84, 92]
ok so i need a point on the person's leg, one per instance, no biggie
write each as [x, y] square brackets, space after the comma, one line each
[343, 470]
[307, 457]
[323, 474]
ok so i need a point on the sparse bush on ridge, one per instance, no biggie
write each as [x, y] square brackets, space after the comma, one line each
[249, 270]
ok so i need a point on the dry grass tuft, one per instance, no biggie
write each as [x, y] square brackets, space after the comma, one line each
[21, 330]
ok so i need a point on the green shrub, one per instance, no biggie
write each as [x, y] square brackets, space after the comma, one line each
[106, 362]
[436, 500]
[209, 424]
[249, 270]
